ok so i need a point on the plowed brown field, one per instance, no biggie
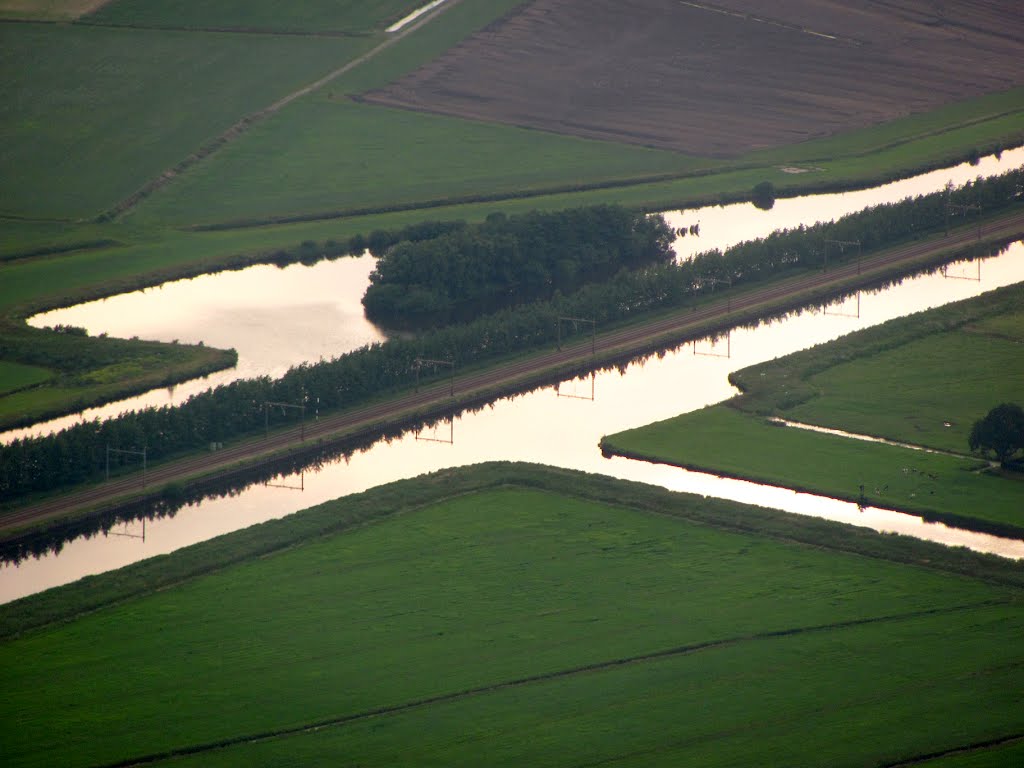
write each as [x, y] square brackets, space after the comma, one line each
[723, 78]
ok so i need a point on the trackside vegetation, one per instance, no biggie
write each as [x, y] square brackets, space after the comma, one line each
[31, 465]
[914, 380]
[528, 614]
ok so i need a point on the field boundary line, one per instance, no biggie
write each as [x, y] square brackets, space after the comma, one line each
[980, 746]
[600, 666]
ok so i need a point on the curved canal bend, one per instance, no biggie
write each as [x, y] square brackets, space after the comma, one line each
[561, 426]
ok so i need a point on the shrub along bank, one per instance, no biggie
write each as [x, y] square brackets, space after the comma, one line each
[77, 454]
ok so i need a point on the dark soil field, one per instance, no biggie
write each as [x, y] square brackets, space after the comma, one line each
[720, 79]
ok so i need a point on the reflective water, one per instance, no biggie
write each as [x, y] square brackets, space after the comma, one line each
[277, 318]
[562, 427]
[274, 318]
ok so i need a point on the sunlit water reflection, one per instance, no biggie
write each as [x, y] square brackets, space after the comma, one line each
[563, 431]
[277, 318]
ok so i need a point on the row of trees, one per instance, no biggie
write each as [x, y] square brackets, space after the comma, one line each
[78, 453]
[507, 261]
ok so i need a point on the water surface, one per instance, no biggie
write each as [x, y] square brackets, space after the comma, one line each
[548, 427]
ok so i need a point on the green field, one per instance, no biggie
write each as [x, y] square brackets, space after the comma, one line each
[316, 16]
[722, 440]
[90, 114]
[47, 10]
[950, 378]
[14, 376]
[905, 381]
[508, 612]
[322, 155]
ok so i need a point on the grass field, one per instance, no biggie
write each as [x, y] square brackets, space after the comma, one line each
[635, 638]
[322, 156]
[14, 376]
[723, 440]
[950, 378]
[316, 16]
[90, 113]
[904, 380]
[47, 10]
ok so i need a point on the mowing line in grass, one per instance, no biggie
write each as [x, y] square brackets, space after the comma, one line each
[686, 650]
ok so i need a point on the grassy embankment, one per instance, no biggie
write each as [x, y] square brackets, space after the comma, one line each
[905, 381]
[108, 91]
[531, 615]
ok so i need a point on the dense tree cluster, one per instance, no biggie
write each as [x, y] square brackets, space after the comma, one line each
[1001, 431]
[507, 261]
[78, 453]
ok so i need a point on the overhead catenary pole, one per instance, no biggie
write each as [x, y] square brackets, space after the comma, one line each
[963, 208]
[841, 244]
[267, 404]
[420, 361]
[129, 452]
[727, 281]
[593, 331]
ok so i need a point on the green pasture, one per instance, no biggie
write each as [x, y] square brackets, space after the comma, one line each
[687, 634]
[77, 372]
[46, 10]
[331, 156]
[904, 380]
[965, 121]
[992, 757]
[313, 16]
[723, 440]
[912, 392]
[851, 697]
[90, 114]
[15, 376]
[324, 156]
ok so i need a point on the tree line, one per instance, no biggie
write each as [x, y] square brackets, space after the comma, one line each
[78, 453]
[507, 261]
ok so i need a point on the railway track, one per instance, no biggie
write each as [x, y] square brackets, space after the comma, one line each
[521, 373]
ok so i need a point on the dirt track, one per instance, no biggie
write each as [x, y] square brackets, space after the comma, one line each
[720, 78]
[517, 375]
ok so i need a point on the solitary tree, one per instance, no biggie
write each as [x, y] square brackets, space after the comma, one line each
[763, 195]
[1001, 431]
